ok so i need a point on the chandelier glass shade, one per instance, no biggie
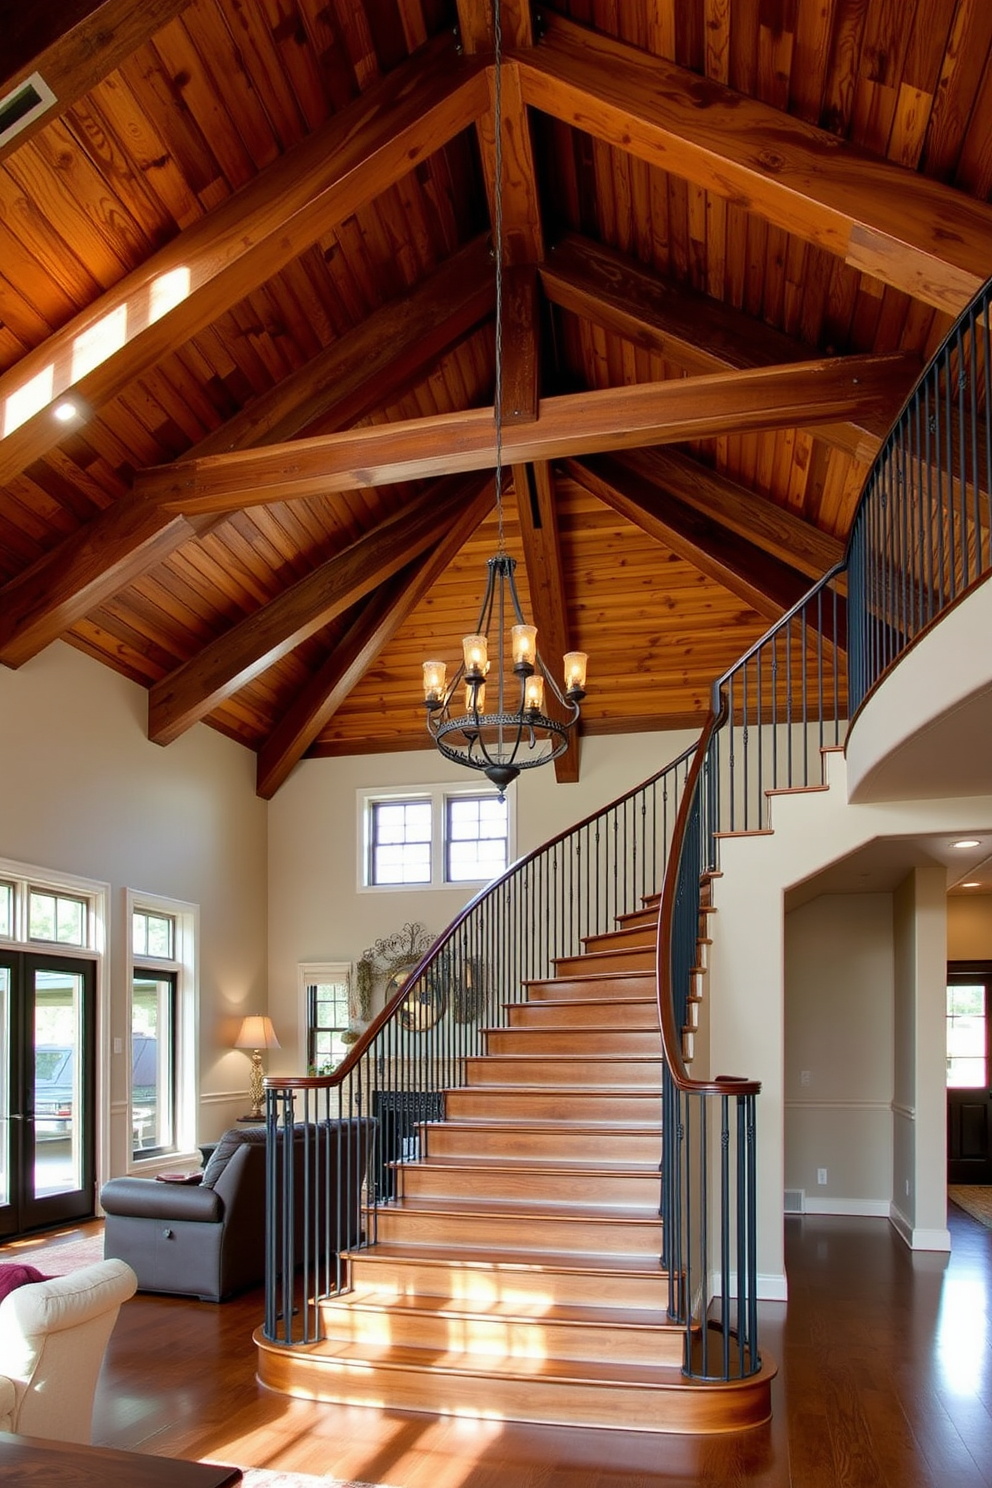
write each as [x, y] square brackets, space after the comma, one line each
[498, 712]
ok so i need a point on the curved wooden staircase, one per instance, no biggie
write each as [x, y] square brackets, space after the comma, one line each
[516, 1273]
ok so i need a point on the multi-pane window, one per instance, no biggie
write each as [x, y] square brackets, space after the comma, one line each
[400, 842]
[57, 917]
[153, 1062]
[475, 837]
[6, 910]
[153, 934]
[327, 1022]
[967, 1042]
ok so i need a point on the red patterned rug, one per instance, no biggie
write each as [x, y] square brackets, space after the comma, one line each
[56, 1254]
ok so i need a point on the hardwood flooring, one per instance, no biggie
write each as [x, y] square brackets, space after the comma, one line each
[885, 1382]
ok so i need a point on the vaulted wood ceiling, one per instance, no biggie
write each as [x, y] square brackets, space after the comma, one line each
[251, 241]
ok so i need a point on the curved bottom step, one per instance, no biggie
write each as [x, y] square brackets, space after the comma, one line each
[550, 1392]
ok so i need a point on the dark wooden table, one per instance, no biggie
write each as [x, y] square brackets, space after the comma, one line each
[30, 1462]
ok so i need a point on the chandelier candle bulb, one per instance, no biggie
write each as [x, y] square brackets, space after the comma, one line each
[434, 677]
[475, 697]
[575, 672]
[523, 642]
[534, 694]
[475, 649]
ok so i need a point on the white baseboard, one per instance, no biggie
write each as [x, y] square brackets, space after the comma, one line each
[871, 1208]
[772, 1286]
[918, 1239]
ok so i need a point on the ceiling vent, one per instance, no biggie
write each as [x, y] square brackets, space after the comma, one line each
[23, 104]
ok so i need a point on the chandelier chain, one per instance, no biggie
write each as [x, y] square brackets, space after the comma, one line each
[498, 248]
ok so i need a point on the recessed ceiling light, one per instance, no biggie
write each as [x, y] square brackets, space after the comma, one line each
[968, 842]
[66, 411]
[971, 886]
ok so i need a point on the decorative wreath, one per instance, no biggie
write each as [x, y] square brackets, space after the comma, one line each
[457, 979]
[393, 953]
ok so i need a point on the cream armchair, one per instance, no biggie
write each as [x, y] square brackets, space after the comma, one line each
[53, 1336]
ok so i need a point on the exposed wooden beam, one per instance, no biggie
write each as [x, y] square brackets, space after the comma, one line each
[774, 529]
[194, 689]
[902, 228]
[521, 342]
[400, 121]
[538, 518]
[763, 583]
[379, 620]
[337, 386]
[697, 333]
[73, 44]
[582, 423]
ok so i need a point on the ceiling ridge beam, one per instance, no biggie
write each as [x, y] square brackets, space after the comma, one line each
[361, 151]
[696, 333]
[187, 694]
[341, 383]
[371, 631]
[913, 233]
[820, 391]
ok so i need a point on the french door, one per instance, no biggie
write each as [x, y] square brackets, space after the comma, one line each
[47, 1053]
[969, 1072]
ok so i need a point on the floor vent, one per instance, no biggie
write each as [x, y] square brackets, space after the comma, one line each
[23, 104]
[795, 1201]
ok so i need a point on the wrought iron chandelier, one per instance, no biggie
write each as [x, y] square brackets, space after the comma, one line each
[515, 731]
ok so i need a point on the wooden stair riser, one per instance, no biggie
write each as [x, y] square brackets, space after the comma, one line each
[535, 1104]
[445, 1139]
[584, 1043]
[568, 1234]
[636, 959]
[631, 936]
[409, 1275]
[590, 985]
[640, 1012]
[635, 917]
[616, 1072]
[429, 1180]
[448, 1329]
[448, 1388]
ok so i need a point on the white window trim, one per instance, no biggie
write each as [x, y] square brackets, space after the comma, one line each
[437, 794]
[28, 875]
[186, 918]
[308, 974]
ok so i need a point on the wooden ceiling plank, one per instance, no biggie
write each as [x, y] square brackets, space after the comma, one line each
[826, 390]
[248, 238]
[911, 232]
[73, 46]
[339, 385]
[776, 530]
[372, 630]
[763, 583]
[194, 689]
[695, 332]
[538, 517]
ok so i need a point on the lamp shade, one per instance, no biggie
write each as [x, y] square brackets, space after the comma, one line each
[257, 1033]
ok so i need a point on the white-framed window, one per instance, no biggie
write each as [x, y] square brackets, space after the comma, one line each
[163, 1077]
[432, 837]
[325, 1000]
[39, 910]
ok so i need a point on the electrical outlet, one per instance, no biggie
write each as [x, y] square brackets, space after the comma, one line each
[804, 1077]
[821, 1175]
[118, 1046]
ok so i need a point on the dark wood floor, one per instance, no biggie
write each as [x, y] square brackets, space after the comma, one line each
[885, 1382]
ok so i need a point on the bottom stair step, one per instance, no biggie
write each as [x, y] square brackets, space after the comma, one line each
[550, 1391]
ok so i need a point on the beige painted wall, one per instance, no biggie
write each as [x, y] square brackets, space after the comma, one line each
[82, 791]
[317, 911]
[839, 1052]
[969, 927]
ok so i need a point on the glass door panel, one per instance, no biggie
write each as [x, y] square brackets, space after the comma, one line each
[5, 1107]
[56, 1160]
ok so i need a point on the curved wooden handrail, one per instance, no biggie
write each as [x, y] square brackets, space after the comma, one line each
[359, 1049]
[671, 1037]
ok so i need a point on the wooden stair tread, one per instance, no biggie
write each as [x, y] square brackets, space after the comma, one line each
[572, 1166]
[594, 1128]
[650, 1092]
[498, 1259]
[435, 1305]
[519, 1208]
[397, 1356]
[591, 976]
[578, 1002]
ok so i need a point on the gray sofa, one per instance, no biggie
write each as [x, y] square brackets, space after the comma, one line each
[208, 1240]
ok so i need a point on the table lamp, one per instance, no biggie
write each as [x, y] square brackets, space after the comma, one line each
[256, 1034]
